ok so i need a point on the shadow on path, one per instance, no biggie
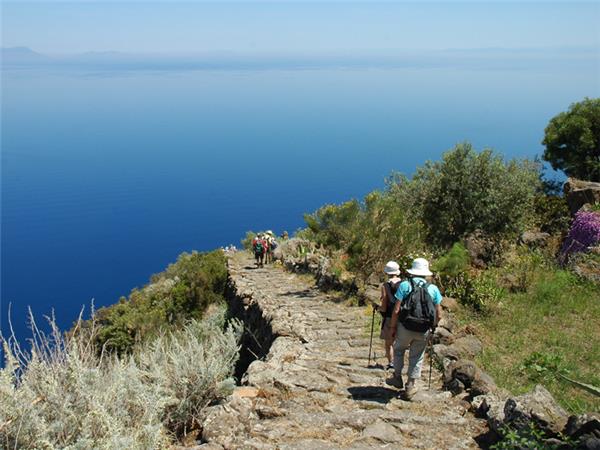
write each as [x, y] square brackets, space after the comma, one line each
[377, 394]
[303, 293]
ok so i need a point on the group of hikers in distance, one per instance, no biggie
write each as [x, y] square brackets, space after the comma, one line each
[411, 309]
[263, 245]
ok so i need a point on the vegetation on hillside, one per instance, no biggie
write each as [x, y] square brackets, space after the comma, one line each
[181, 293]
[545, 331]
[466, 213]
[441, 204]
[136, 375]
[572, 140]
[67, 394]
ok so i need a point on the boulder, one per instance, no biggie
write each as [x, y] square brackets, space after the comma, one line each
[449, 304]
[467, 346]
[447, 322]
[586, 265]
[577, 423]
[483, 384]
[534, 239]
[585, 429]
[464, 374]
[218, 427]
[482, 249]
[537, 406]
[491, 408]
[579, 193]
[442, 336]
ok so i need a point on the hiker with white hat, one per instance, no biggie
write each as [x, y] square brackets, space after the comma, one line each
[270, 246]
[388, 299]
[415, 316]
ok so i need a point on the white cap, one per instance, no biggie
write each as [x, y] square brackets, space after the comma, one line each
[392, 268]
[420, 268]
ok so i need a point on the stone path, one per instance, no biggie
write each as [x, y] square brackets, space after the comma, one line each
[314, 390]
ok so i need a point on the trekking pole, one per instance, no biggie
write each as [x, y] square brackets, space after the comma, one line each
[430, 358]
[371, 340]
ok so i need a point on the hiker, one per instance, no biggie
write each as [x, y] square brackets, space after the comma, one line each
[269, 247]
[272, 245]
[258, 246]
[415, 316]
[388, 299]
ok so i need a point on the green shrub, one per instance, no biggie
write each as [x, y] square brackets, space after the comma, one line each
[453, 263]
[334, 225]
[552, 213]
[543, 366]
[480, 292]
[247, 240]
[469, 191]
[518, 274]
[180, 293]
[531, 437]
[384, 232]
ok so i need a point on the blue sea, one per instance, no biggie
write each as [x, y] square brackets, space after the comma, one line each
[110, 172]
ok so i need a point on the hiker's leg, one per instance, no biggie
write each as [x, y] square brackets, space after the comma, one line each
[389, 344]
[386, 336]
[401, 344]
[416, 354]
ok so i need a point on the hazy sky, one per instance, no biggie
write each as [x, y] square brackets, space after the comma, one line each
[171, 26]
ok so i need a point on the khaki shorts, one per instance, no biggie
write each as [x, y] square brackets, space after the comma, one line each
[386, 329]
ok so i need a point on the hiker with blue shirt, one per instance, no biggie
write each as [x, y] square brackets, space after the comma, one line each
[415, 316]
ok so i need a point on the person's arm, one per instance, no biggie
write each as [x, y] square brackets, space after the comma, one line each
[384, 299]
[438, 306]
[438, 314]
[394, 319]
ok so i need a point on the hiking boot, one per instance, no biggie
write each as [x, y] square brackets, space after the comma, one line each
[395, 382]
[411, 389]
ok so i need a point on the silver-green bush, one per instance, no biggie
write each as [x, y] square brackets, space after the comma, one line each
[61, 394]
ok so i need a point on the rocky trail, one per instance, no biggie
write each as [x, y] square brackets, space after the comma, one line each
[313, 389]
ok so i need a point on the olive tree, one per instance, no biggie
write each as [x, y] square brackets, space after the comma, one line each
[469, 190]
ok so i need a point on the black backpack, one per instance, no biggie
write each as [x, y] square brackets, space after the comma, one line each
[418, 310]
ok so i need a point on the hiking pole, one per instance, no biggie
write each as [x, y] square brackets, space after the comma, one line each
[371, 340]
[430, 357]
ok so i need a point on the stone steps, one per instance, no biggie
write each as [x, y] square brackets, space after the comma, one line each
[314, 389]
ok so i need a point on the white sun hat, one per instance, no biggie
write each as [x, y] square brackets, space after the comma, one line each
[420, 268]
[392, 268]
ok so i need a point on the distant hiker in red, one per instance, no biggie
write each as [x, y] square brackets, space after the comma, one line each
[259, 248]
[388, 300]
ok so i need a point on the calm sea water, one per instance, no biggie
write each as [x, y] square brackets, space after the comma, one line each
[108, 175]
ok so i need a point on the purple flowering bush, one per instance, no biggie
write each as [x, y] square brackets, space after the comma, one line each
[584, 233]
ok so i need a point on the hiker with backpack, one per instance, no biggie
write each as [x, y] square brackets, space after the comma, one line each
[270, 241]
[388, 299]
[259, 247]
[415, 316]
[272, 246]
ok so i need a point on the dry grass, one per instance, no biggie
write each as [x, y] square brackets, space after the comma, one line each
[61, 394]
